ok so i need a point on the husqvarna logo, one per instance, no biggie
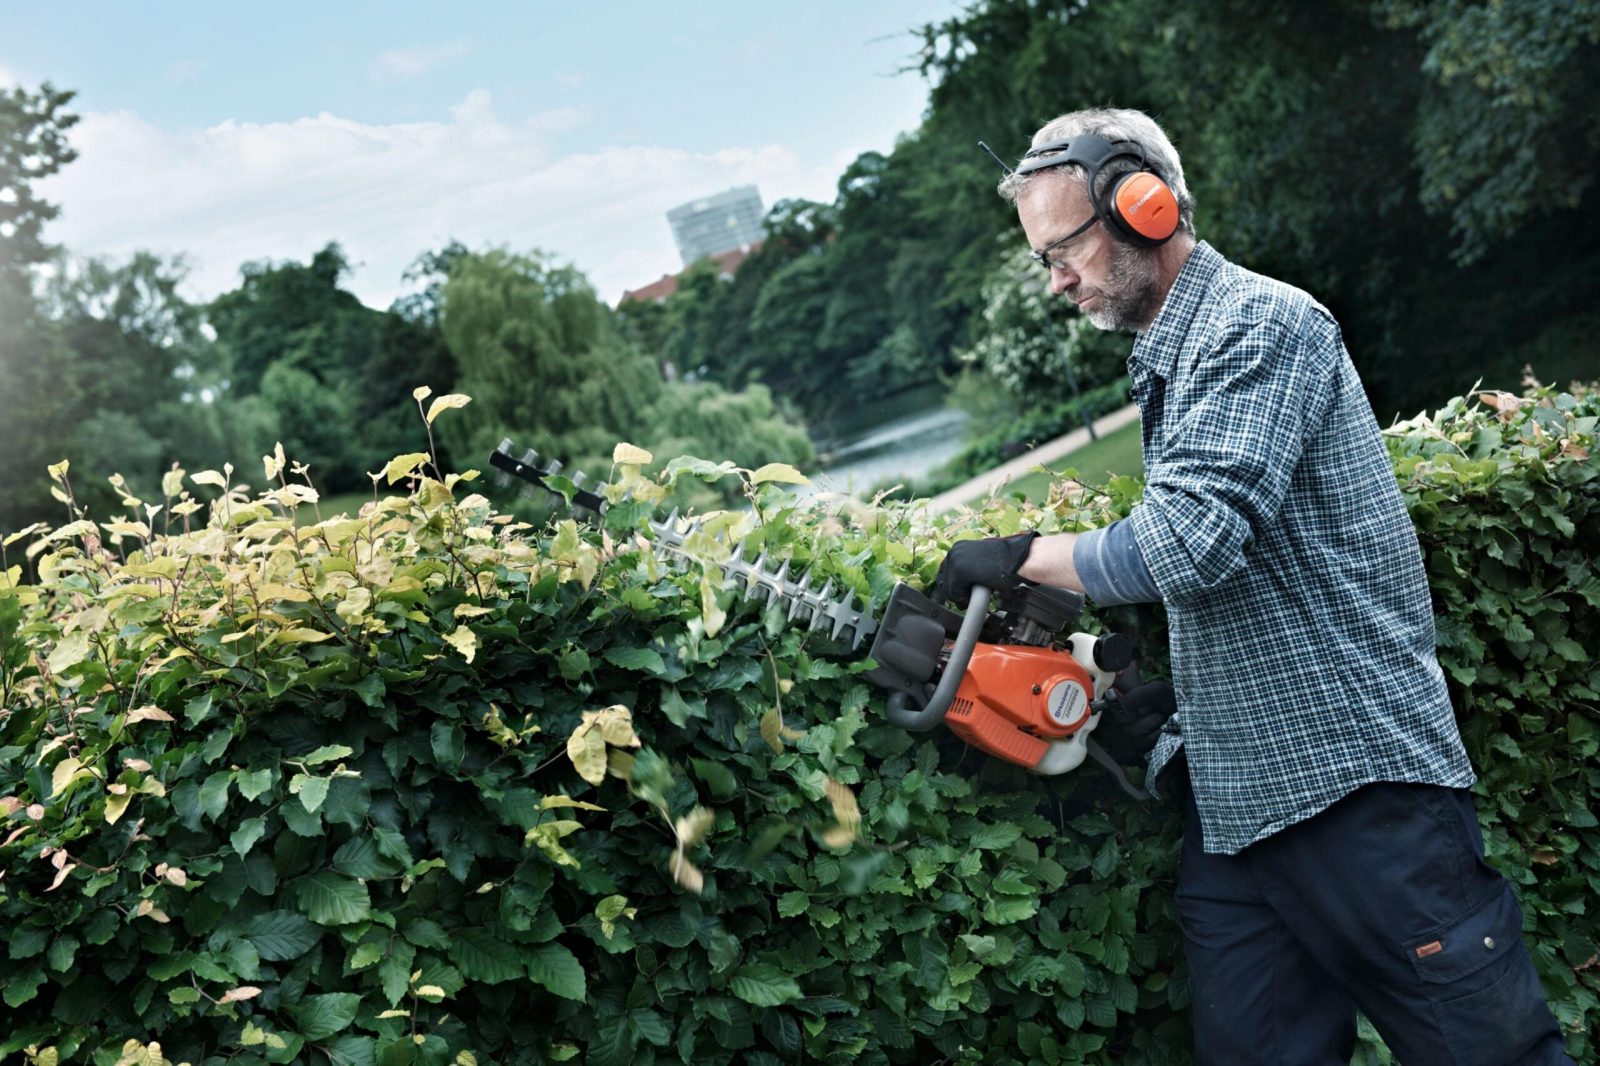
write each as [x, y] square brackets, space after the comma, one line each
[1068, 702]
[1141, 201]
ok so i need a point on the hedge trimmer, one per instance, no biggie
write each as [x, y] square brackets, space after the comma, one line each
[997, 679]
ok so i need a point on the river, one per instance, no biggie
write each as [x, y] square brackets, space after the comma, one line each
[904, 448]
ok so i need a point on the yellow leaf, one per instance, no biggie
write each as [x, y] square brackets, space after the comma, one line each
[430, 990]
[692, 827]
[243, 992]
[395, 1014]
[403, 466]
[587, 750]
[71, 650]
[772, 730]
[210, 477]
[687, 874]
[149, 714]
[551, 802]
[116, 807]
[63, 775]
[445, 403]
[629, 454]
[710, 611]
[420, 393]
[58, 470]
[779, 472]
[616, 725]
[846, 813]
[548, 837]
[172, 482]
[464, 641]
[273, 464]
[299, 636]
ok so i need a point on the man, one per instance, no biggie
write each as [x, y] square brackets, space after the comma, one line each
[1332, 858]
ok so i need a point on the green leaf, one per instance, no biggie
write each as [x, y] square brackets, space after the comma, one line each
[995, 836]
[365, 955]
[559, 970]
[319, 1017]
[28, 941]
[791, 904]
[280, 936]
[780, 472]
[647, 660]
[244, 838]
[449, 744]
[483, 958]
[252, 783]
[764, 985]
[198, 709]
[650, 1026]
[330, 899]
[311, 790]
[327, 753]
[360, 857]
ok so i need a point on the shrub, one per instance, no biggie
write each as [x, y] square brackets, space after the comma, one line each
[427, 785]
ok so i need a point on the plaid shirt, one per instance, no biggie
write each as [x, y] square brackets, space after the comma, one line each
[1300, 621]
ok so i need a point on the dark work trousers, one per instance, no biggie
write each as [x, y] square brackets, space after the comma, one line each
[1382, 902]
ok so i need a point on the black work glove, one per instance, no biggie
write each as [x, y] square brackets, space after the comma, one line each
[992, 563]
[1130, 724]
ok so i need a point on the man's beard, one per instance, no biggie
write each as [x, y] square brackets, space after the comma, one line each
[1131, 295]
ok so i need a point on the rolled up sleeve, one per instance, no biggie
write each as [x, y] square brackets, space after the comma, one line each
[1227, 463]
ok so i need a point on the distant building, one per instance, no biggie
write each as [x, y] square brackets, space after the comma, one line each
[717, 224]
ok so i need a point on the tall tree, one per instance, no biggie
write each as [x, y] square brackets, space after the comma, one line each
[294, 344]
[33, 358]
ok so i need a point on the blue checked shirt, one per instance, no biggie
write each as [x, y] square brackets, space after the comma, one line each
[1299, 616]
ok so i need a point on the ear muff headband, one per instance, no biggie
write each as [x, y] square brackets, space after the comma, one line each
[1138, 207]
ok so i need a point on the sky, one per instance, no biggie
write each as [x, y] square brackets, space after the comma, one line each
[234, 133]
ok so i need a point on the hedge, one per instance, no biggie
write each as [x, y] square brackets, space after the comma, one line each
[431, 785]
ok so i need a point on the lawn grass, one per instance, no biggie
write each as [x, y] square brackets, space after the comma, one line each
[347, 503]
[1098, 461]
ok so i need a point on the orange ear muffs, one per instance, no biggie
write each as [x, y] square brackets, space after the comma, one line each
[1144, 207]
[1138, 208]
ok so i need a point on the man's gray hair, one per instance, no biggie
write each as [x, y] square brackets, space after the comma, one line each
[1115, 125]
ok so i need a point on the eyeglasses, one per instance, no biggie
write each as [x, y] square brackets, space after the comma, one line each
[1069, 253]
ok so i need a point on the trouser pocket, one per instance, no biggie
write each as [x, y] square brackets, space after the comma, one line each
[1482, 984]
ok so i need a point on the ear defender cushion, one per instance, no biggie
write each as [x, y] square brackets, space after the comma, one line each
[1145, 207]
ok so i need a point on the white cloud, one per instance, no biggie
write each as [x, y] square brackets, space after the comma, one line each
[242, 191]
[7, 79]
[409, 62]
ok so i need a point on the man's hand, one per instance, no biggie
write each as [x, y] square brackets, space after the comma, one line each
[992, 563]
[1128, 728]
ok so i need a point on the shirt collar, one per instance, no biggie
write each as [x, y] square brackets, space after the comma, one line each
[1157, 347]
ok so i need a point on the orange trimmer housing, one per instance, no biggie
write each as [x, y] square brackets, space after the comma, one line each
[1015, 699]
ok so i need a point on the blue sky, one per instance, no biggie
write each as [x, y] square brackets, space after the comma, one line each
[228, 133]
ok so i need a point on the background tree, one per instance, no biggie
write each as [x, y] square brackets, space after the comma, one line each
[33, 146]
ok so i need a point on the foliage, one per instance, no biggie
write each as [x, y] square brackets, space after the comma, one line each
[1505, 493]
[558, 373]
[426, 785]
[33, 145]
[1031, 344]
